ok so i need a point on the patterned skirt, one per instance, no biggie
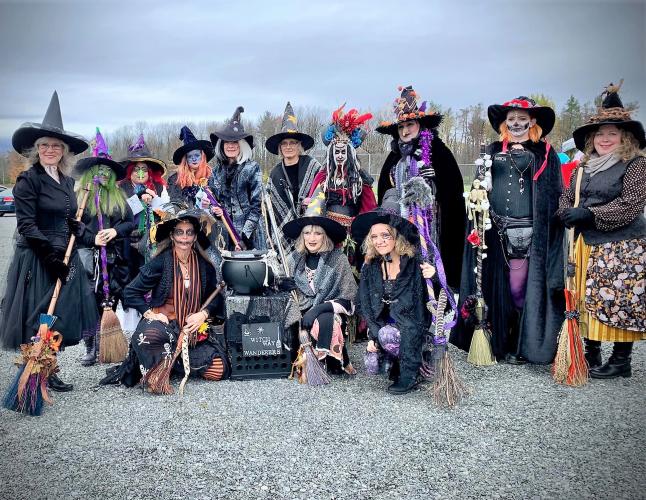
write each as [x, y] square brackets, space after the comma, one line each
[611, 278]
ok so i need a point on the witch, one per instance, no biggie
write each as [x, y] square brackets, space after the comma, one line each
[610, 229]
[180, 277]
[291, 179]
[45, 203]
[237, 185]
[107, 222]
[325, 284]
[420, 166]
[145, 190]
[522, 276]
[193, 170]
[393, 292]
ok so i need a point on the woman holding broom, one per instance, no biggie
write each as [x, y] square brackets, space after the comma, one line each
[180, 277]
[392, 293]
[610, 231]
[45, 204]
[104, 234]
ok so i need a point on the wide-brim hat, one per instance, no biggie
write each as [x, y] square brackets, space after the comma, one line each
[139, 152]
[86, 164]
[233, 130]
[272, 143]
[174, 213]
[406, 109]
[387, 213]
[636, 128]
[52, 126]
[191, 143]
[315, 216]
[544, 115]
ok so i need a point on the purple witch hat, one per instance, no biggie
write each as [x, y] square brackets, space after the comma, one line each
[138, 152]
[100, 156]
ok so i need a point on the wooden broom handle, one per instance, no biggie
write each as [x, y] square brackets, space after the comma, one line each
[577, 199]
[68, 251]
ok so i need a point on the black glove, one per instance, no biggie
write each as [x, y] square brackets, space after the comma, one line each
[286, 284]
[76, 227]
[579, 217]
[313, 313]
[55, 266]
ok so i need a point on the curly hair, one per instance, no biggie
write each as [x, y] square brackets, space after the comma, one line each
[627, 150]
[402, 245]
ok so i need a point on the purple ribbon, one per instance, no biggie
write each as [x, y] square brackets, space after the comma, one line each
[104, 255]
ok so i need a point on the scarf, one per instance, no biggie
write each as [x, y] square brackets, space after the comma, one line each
[187, 300]
[598, 163]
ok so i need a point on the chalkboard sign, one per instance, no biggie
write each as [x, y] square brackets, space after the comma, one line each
[261, 339]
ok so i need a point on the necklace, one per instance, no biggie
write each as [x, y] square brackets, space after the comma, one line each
[521, 180]
[185, 274]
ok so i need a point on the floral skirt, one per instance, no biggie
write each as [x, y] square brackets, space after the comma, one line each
[610, 283]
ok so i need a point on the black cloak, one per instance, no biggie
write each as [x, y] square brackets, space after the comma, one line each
[543, 312]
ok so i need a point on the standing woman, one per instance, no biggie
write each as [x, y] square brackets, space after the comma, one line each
[610, 252]
[237, 183]
[107, 222]
[392, 293]
[324, 282]
[290, 180]
[45, 202]
[179, 278]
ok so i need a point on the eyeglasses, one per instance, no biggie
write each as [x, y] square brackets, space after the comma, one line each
[181, 232]
[383, 236]
[54, 147]
[289, 144]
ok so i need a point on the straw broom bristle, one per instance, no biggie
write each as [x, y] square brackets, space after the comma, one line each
[480, 353]
[113, 343]
[448, 389]
[307, 366]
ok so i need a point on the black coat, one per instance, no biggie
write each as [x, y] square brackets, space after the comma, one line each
[157, 276]
[450, 200]
[543, 313]
[409, 310]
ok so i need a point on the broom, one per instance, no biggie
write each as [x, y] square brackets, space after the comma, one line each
[307, 366]
[37, 362]
[113, 345]
[570, 366]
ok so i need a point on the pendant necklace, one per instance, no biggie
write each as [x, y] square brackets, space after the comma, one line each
[185, 275]
[521, 180]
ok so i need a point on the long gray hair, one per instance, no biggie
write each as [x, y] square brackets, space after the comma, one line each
[67, 161]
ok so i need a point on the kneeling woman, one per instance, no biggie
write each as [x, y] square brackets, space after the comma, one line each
[180, 277]
[392, 292]
[324, 284]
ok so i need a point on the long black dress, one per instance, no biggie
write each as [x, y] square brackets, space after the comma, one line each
[542, 315]
[42, 208]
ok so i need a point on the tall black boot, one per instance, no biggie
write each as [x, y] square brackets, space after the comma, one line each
[89, 358]
[593, 353]
[56, 384]
[618, 365]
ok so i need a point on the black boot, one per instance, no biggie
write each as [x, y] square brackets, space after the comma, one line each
[404, 385]
[618, 365]
[393, 373]
[593, 353]
[89, 358]
[56, 384]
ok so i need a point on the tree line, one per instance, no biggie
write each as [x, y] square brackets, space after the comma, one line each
[463, 131]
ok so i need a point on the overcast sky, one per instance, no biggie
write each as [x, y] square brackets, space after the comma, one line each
[115, 63]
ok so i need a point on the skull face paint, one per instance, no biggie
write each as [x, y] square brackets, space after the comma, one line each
[340, 152]
[518, 123]
[139, 173]
[193, 158]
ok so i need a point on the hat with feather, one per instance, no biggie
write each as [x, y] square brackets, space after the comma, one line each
[406, 108]
[346, 126]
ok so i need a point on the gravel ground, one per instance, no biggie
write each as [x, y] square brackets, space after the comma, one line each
[518, 435]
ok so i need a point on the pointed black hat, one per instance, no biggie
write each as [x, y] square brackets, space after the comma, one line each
[289, 130]
[233, 131]
[52, 126]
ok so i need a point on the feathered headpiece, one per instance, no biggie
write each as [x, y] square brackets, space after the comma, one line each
[346, 126]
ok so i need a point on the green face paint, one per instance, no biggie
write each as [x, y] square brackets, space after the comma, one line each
[140, 174]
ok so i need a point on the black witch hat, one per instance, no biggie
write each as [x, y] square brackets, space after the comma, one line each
[174, 213]
[191, 143]
[406, 108]
[139, 152]
[288, 130]
[52, 126]
[611, 112]
[544, 115]
[315, 216]
[233, 131]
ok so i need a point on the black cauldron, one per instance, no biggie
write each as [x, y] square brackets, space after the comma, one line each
[246, 272]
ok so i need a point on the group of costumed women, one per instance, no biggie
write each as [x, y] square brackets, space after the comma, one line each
[419, 270]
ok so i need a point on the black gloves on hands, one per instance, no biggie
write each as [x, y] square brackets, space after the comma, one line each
[577, 217]
[52, 259]
[310, 316]
[76, 227]
[286, 284]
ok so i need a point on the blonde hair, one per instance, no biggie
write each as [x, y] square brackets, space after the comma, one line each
[535, 133]
[328, 244]
[64, 165]
[402, 245]
[627, 150]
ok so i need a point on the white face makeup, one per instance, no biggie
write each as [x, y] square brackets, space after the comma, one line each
[518, 123]
[194, 157]
[340, 152]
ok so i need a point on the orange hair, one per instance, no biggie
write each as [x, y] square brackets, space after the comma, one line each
[186, 177]
[535, 133]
